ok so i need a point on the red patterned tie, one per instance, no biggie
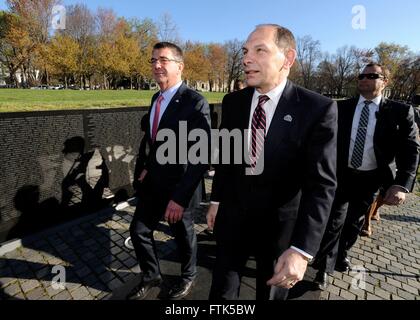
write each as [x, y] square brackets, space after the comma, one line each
[258, 131]
[156, 118]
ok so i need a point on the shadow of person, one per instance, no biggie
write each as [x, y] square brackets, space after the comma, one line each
[304, 290]
[85, 177]
[5, 296]
[121, 196]
[400, 218]
[35, 215]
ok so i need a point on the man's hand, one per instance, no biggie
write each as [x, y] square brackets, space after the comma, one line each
[211, 215]
[173, 212]
[394, 196]
[142, 175]
[290, 269]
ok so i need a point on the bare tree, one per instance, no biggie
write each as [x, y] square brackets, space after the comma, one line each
[167, 29]
[80, 23]
[146, 33]
[234, 61]
[308, 54]
[81, 26]
[106, 21]
[345, 61]
[326, 75]
[36, 15]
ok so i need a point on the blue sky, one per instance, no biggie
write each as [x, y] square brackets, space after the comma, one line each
[329, 21]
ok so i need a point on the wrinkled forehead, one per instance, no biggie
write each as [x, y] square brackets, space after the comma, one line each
[261, 35]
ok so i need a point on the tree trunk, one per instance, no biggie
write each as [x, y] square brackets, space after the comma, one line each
[24, 75]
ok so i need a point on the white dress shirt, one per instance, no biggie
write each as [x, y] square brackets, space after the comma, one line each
[168, 94]
[369, 158]
[269, 108]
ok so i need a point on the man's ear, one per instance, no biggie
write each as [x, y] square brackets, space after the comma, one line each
[290, 56]
[181, 66]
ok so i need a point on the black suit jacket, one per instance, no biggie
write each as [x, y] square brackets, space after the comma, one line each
[178, 181]
[395, 141]
[297, 186]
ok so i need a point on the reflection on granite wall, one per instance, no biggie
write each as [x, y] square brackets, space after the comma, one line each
[53, 165]
[58, 165]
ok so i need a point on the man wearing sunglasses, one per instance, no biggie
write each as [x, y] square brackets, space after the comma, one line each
[166, 190]
[377, 150]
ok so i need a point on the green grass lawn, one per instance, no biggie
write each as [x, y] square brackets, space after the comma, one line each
[16, 100]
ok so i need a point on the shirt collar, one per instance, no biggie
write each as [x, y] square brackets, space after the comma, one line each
[274, 94]
[170, 92]
[376, 101]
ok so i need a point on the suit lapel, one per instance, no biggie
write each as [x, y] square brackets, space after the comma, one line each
[285, 116]
[173, 106]
[381, 117]
[380, 125]
[346, 124]
[245, 105]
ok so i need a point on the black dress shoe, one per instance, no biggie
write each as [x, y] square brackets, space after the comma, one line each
[141, 291]
[321, 280]
[343, 265]
[181, 290]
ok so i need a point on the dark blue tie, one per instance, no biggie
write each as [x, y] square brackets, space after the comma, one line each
[359, 145]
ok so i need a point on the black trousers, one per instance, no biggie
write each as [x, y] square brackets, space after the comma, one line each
[149, 211]
[355, 193]
[237, 238]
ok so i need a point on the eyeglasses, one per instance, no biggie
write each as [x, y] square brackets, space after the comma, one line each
[162, 60]
[370, 76]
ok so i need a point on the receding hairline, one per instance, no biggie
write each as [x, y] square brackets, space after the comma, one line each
[283, 37]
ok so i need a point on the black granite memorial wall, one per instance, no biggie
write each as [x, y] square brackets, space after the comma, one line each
[58, 165]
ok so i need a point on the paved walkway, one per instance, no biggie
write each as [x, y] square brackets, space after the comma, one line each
[98, 265]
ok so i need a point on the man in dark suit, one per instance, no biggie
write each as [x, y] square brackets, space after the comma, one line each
[279, 215]
[167, 190]
[377, 149]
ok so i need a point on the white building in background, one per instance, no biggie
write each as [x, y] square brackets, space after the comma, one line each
[204, 86]
[3, 75]
[20, 76]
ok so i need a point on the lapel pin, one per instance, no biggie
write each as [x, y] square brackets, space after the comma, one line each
[288, 118]
[177, 101]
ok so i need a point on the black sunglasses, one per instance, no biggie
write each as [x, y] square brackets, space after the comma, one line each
[370, 76]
